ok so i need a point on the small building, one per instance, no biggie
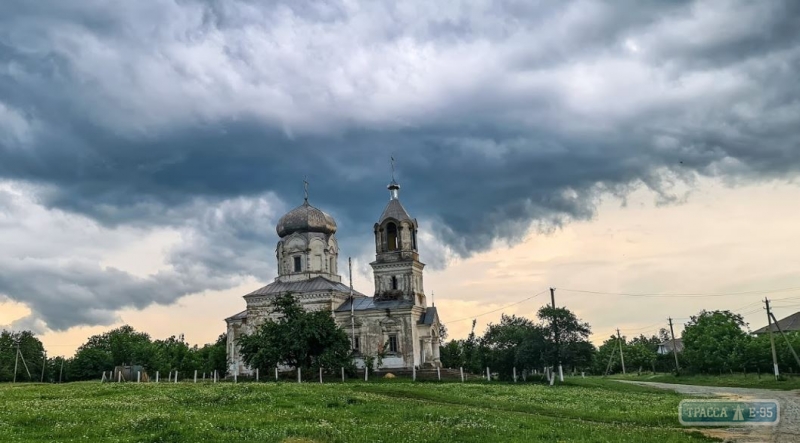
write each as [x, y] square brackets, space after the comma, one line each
[788, 324]
[666, 347]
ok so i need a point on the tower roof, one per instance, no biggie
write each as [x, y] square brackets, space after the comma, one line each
[396, 211]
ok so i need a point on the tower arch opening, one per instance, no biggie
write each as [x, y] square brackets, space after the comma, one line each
[391, 236]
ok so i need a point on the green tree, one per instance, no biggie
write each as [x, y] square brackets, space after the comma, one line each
[213, 357]
[308, 340]
[714, 341]
[515, 342]
[31, 350]
[607, 352]
[102, 352]
[567, 338]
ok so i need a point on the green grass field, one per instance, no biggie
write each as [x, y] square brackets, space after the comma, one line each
[765, 381]
[588, 410]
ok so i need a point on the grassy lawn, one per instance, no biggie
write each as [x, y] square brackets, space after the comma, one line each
[590, 411]
[766, 381]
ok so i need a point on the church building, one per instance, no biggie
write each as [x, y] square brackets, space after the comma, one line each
[396, 318]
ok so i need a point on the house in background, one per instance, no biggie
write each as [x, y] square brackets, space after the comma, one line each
[666, 346]
[788, 324]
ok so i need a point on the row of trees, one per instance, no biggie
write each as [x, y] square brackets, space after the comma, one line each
[714, 342]
[517, 342]
[102, 352]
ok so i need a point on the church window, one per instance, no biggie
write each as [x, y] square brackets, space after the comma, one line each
[393, 343]
[391, 236]
[394, 282]
[331, 266]
[413, 238]
[298, 265]
[356, 344]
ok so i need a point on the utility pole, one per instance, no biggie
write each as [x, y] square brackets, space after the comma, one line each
[44, 362]
[352, 307]
[771, 339]
[16, 362]
[621, 357]
[788, 343]
[674, 348]
[555, 334]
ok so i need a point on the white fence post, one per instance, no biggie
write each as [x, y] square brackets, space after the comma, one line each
[488, 374]
[276, 373]
[156, 376]
[119, 377]
[413, 373]
[176, 376]
[195, 375]
[438, 373]
[515, 373]
[366, 373]
[236, 376]
[462, 374]
[256, 374]
[560, 373]
[320, 375]
[342, 374]
[299, 377]
[138, 376]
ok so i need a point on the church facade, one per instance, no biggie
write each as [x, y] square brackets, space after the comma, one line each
[395, 320]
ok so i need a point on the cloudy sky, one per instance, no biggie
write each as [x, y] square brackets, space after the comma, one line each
[147, 150]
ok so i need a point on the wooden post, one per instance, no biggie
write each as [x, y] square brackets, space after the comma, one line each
[256, 374]
[299, 379]
[514, 372]
[342, 374]
[176, 376]
[462, 374]
[674, 348]
[195, 375]
[276, 373]
[320, 375]
[488, 374]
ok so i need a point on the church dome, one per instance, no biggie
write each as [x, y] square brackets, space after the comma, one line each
[305, 218]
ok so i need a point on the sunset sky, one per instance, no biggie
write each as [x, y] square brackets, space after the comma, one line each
[640, 157]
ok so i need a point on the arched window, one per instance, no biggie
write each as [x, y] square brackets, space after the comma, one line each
[394, 282]
[331, 270]
[391, 236]
[413, 238]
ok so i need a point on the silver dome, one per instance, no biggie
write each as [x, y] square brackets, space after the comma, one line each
[305, 218]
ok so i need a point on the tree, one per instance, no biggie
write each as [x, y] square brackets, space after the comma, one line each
[515, 342]
[102, 352]
[213, 357]
[31, 350]
[571, 346]
[300, 339]
[608, 351]
[715, 341]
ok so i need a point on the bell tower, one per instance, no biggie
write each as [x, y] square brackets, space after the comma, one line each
[397, 269]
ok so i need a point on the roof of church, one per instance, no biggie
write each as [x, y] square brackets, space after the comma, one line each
[238, 316]
[368, 303]
[394, 210]
[315, 284]
[305, 218]
[428, 316]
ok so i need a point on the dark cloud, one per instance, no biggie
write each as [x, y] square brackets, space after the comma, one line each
[188, 115]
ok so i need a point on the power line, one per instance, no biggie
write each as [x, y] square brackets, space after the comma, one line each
[627, 294]
[498, 309]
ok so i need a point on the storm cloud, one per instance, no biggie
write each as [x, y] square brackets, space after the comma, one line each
[203, 117]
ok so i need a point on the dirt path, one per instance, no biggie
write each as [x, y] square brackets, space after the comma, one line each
[787, 430]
